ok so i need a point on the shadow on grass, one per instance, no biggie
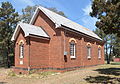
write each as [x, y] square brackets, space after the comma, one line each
[109, 71]
[105, 79]
[4, 67]
[3, 82]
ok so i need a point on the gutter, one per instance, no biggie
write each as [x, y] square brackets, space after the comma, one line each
[36, 36]
[69, 29]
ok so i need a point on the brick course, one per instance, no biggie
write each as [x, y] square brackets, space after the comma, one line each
[49, 54]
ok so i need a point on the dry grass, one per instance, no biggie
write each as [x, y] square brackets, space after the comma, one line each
[107, 74]
[102, 74]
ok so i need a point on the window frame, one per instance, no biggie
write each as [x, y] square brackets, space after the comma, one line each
[99, 53]
[73, 45]
[89, 52]
[21, 50]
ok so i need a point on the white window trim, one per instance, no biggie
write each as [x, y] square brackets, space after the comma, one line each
[74, 52]
[21, 51]
[21, 62]
[99, 53]
[88, 52]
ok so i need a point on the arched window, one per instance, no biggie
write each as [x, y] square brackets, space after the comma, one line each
[99, 53]
[72, 49]
[21, 49]
[88, 50]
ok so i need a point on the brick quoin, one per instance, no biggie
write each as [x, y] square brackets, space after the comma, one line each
[48, 54]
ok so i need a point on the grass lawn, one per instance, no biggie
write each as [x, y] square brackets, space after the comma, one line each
[115, 63]
[102, 74]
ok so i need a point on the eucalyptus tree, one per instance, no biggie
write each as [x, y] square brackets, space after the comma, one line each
[8, 22]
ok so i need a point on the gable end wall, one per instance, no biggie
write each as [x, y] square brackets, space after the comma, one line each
[55, 48]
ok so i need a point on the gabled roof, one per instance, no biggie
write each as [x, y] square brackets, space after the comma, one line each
[60, 20]
[29, 30]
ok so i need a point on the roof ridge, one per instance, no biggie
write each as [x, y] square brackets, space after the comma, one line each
[59, 20]
[64, 17]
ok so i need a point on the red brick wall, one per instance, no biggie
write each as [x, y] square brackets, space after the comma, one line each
[116, 59]
[26, 50]
[55, 51]
[81, 51]
[39, 53]
[17, 58]
[56, 46]
[50, 53]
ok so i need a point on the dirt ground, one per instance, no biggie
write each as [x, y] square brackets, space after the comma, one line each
[102, 74]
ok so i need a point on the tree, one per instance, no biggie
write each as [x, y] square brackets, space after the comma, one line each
[116, 47]
[56, 11]
[104, 37]
[29, 11]
[8, 21]
[109, 43]
[108, 14]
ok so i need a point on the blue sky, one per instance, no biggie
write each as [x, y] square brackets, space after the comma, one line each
[76, 10]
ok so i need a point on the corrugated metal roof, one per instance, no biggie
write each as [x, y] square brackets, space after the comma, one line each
[60, 20]
[29, 30]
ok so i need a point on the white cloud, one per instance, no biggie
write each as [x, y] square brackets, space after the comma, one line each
[87, 20]
[27, 2]
[87, 9]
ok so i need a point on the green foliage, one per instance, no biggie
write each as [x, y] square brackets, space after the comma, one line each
[8, 22]
[56, 11]
[112, 44]
[101, 34]
[29, 11]
[108, 14]
[108, 43]
[115, 63]
[116, 48]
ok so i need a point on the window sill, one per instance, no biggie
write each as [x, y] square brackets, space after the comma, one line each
[21, 57]
[89, 58]
[72, 57]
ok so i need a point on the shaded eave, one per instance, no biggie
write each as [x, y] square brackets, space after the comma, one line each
[82, 34]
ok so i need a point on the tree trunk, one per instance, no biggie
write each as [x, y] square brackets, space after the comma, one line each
[8, 52]
[111, 46]
[107, 57]
[108, 60]
[8, 60]
[110, 52]
[3, 55]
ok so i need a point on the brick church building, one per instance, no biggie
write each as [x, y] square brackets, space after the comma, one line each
[55, 43]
